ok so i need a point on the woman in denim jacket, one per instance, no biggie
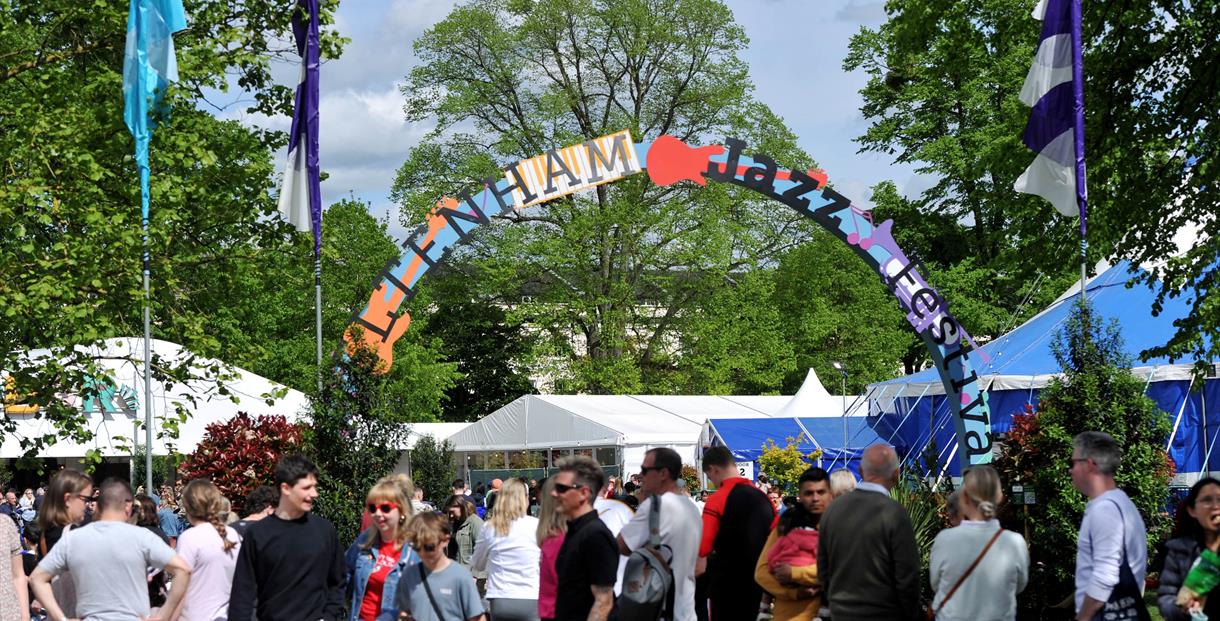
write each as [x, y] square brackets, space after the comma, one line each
[380, 554]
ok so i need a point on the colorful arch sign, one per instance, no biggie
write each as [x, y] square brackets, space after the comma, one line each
[576, 168]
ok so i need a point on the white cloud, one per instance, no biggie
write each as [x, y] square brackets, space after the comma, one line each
[858, 12]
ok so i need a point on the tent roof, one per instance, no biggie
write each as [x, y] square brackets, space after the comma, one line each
[123, 358]
[439, 431]
[747, 437]
[1022, 358]
[567, 421]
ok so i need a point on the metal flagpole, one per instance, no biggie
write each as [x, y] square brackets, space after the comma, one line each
[1078, 139]
[148, 485]
[317, 284]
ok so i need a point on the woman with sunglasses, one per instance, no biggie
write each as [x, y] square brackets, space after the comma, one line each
[508, 549]
[63, 508]
[381, 554]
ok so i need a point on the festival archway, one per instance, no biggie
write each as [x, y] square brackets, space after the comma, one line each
[560, 172]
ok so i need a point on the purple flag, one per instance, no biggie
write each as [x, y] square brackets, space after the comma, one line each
[1054, 88]
[301, 193]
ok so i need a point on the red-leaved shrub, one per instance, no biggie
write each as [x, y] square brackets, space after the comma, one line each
[240, 454]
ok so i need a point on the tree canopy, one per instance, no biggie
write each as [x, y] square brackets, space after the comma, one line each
[942, 94]
[633, 287]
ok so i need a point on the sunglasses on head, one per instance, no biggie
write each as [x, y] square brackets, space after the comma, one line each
[384, 507]
[563, 489]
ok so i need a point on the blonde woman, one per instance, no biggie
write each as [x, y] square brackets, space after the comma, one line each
[382, 553]
[989, 592]
[210, 548]
[552, 528]
[508, 549]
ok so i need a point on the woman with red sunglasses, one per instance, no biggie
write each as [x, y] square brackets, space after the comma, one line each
[381, 553]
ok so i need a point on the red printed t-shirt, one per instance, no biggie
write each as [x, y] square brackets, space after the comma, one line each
[387, 558]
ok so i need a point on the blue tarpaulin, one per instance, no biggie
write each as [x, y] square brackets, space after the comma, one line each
[746, 437]
[1021, 363]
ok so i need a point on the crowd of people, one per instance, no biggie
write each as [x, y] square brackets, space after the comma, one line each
[560, 548]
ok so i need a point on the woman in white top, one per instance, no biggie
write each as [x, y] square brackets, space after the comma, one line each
[990, 591]
[507, 549]
[210, 547]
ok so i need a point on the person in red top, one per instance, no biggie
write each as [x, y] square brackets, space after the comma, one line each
[736, 522]
[381, 554]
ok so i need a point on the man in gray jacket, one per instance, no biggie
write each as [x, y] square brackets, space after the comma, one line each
[868, 561]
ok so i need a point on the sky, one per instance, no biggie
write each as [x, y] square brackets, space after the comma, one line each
[795, 56]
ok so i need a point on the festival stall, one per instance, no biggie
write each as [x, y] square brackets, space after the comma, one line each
[913, 409]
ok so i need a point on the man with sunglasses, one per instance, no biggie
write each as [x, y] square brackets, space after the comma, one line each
[290, 562]
[587, 563]
[680, 525]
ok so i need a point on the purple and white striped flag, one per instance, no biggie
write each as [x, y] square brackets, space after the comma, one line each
[1054, 88]
[301, 193]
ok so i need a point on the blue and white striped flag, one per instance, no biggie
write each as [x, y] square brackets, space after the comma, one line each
[301, 194]
[1054, 88]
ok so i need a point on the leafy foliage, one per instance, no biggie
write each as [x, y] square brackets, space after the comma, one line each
[924, 503]
[622, 270]
[691, 477]
[942, 94]
[1095, 393]
[69, 198]
[490, 349]
[240, 454]
[432, 467]
[355, 436]
[784, 465]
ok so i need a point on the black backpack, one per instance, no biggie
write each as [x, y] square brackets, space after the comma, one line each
[648, 581]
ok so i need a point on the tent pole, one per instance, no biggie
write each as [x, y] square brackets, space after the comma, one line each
[1177, 421]
[1207, 451]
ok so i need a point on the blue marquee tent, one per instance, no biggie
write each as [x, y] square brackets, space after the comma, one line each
[746, 437]
[913, 408]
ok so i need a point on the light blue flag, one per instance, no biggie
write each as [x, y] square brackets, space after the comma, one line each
[148, 68]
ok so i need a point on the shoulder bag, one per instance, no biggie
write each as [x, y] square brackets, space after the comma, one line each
[1126, 600]
[969, 570]
[423, 577]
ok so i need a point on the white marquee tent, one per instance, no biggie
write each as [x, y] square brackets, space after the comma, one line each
[618, 429]
[112, 414]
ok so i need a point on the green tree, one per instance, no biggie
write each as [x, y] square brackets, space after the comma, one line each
[620, 269]
[69, 198]
[432, 467]
[833, 308]
[355, 436]
[491, 351]
[942, 94]
[1096, 392]
[784, 465]
[737, 344]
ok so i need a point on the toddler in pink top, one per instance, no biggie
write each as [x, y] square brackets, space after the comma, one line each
[798, 548]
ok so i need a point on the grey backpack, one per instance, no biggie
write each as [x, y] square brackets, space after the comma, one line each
[648, 581]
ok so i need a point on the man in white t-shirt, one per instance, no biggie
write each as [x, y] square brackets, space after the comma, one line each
[1111, 528]
[109, 560]
[681, 525]
[614, 514]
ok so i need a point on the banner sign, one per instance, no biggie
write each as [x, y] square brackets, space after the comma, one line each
[560, 172]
